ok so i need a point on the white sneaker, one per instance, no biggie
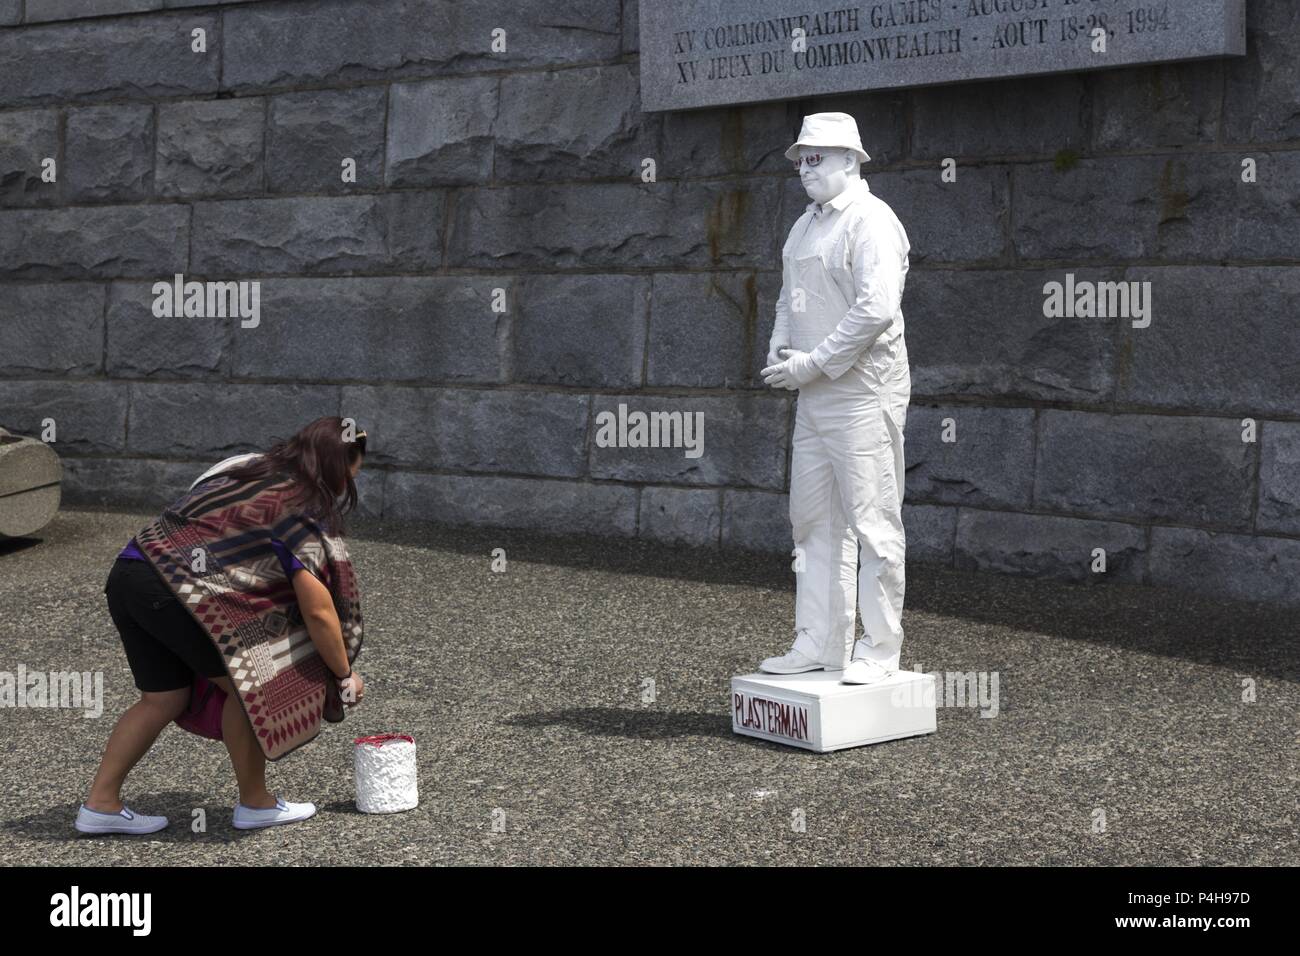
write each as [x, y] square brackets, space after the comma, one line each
[863, 671]
[124, 821]
[247, 818]
[792, 662]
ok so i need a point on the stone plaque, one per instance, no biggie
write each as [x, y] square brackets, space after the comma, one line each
[698, 53]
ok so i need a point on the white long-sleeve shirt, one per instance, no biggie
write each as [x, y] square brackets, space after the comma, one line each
[851, 251]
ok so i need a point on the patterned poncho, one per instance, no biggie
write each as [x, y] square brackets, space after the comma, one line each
[213, 549]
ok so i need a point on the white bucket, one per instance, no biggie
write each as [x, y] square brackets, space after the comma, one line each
[384, 765]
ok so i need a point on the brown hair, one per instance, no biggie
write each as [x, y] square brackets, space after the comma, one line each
[318, 460]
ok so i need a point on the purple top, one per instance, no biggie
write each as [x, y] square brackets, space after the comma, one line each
[287, 561]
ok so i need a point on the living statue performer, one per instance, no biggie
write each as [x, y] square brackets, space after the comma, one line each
[838, 340]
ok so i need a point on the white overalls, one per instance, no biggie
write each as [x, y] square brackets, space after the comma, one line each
[849, 258]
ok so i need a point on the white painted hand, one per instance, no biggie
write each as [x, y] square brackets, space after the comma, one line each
[774, 350]
[796, 371]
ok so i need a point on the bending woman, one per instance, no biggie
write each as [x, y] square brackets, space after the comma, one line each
[245, 580]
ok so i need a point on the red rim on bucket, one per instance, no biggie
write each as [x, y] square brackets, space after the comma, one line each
[380, 739]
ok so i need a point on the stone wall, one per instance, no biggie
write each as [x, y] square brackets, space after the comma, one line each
[520, 170]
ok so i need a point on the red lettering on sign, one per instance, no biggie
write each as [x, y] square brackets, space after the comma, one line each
[771, 717]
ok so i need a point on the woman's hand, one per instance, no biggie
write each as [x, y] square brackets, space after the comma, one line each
[352, 689]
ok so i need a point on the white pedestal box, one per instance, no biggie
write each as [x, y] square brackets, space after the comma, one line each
[817, 712]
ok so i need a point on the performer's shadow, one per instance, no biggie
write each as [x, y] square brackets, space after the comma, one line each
[637, 724]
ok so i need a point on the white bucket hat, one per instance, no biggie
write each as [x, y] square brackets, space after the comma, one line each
[829, 130]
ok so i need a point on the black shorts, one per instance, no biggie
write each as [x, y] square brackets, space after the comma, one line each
[164, 645]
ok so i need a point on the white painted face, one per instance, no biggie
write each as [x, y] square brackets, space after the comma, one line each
[825, 171]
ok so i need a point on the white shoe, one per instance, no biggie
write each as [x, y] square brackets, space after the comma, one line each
[247, 818]
[793, 662]
[124, 821]
[863, 671]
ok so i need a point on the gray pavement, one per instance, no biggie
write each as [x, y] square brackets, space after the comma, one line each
[523, 690]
